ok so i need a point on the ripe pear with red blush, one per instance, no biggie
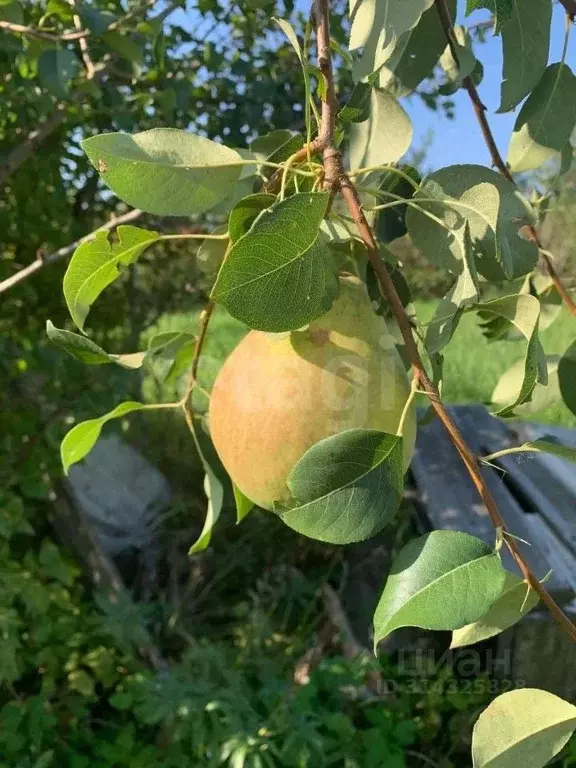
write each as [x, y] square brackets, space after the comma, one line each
[280, 393]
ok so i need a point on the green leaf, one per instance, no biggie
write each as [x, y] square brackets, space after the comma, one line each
[357, 109]
[95, 265]
[376, 28]
[384, 137]
[278, 276]
[263, 146]
[502, 10]
[525, 43]
[95, 20]
[495, 211]
[244, 213]
[87, 351]
[517, 600]
[82, 682]
[169, 354]
[523, 311]
[391, 223]
[210, 254]
[416, 53]
[213, 487]
[443, 581]
[567, 377]
[83, 437]
[56, 69]
[293, 39]
[546, 120]
[127, 47]
[456, 69]
[508, 387]
[243, 504]
[526, 727]
[164, 171]
[346, 487]
[463, 293]
[11, 12]
[546, 446]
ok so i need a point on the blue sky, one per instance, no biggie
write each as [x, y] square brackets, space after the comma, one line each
[460, 140]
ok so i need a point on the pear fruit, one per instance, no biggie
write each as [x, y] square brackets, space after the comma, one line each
[278, 394]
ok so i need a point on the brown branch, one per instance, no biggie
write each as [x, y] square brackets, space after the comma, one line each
[569, 7]
[497, 159]
[84, 51]
[61, 253]
[333, 160]
[40, 34]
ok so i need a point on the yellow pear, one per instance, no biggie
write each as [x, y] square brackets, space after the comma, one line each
[280, 393]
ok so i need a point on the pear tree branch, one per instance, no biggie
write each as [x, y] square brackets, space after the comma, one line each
[336, 179]
[497, 159]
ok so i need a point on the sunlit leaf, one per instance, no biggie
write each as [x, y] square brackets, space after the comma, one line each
[416, 53]
[517, 600]
[243, 504]
[164, 171]
[384, 137]
[525, 727]
[83, 437]
[347, 487]
[279, 276]
[508, 387]
[376, 28]
[523, 312]
[96, 263]
[213, 487]
[443, 581]
[546, 120]
[244, 213]
[495, 211]
[87, 351]
[525, 42]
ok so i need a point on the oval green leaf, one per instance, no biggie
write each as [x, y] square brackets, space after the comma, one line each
[526, 728]
[95, 265]
[517, 600]
[244, 213]
[567, 377]
[384, 137]
[442, 581]
[347, 487]
[83, 437]
[165, 171]
[278, 276]
[546, 120]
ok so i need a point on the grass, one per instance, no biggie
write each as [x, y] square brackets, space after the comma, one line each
[472, 365]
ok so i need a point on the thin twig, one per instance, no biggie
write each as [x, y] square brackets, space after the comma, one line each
[186, 402]
[61, 253]
[497, 159]
[40, 34]
[86, 58]
[336, 177]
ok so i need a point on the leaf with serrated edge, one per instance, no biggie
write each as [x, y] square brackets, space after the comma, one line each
[517, 600]
[165, 171]
[278, 276]
[495, 211]
[523, 311]
[384, 137]
[78, 443]
[442, 581]
[85, 350]
[567, 377]
[526, 727]
[243, 504]
[546, 120]
[347, 487]
[525, 43]
[95, 265]
[376, 27]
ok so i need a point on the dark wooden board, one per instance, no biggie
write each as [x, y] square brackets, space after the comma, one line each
[452, 501]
